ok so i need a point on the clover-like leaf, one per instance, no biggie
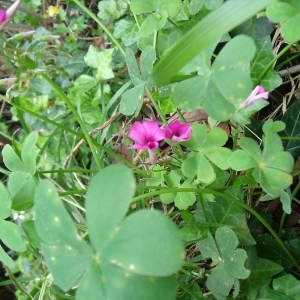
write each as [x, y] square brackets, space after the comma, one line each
[210, 150]
[229, 260]
[272, 166]
[225, 84]
[288, 13]
[123, 253]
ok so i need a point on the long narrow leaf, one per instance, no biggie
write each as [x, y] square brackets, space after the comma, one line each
[207, 31]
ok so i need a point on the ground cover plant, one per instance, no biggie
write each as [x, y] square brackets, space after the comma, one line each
[150, 149]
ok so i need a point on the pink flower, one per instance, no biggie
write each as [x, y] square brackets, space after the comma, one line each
[3, 16]
[178, 132]
[258, 93]
[6, 15]
[146, 135]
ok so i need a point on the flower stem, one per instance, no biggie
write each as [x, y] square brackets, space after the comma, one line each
[156, 106]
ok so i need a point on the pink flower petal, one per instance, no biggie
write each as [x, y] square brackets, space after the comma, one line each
[146, 135]
[3, 16]
[258, 93]
[178, 132]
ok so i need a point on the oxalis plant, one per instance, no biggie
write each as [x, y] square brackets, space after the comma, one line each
[151, 150]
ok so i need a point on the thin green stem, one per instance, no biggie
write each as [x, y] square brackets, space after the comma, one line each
[269, 65]
[16, 283]
[94, 17]
[77, 117]
[156, 106]
[154, 39]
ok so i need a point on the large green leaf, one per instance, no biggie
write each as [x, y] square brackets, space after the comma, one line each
[207, 31]
[53, 224]
[106, 205]
[134, 246]
[120, 284]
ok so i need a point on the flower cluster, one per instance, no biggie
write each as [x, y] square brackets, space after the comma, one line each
[148, 134]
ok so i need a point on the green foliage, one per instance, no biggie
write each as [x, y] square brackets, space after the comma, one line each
[135, 251]
[228, 260]
[288, 13]
[22, 181]
[207, 147]
[132, 99]
[9, 232]
[271, 166]
[91, 232]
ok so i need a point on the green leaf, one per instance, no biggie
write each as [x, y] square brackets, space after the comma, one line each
[10, 236]
[30, 231]
[133, 68]
[66, 254]
[234, 259]
[280, 11]
[73, 64]
[40, 86]
[84, 83]
[147, 6]
[103, 198]
[11, 160]
[207, 31]
[188, 95]
[22, 188]
[124, 285]
[287, 285]
[261, 270]
[148, 57]
[28, 153]
[111, 9]
[66, 263]
[292, 120]
[138, 238]
[153, 22]
[240, 160]
[53, 224]
[230, 261]
[101, 61]
[6, 260]
[184, 200]
[5, 202]
[224, 211]
[263, 56]
[132, 100]
[243, 116]
[127, 30]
